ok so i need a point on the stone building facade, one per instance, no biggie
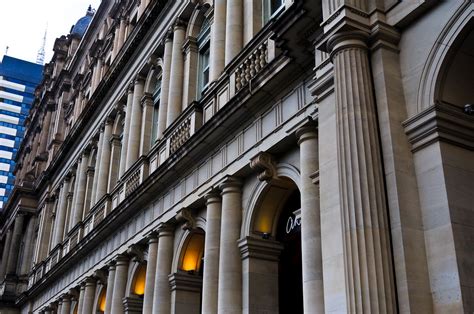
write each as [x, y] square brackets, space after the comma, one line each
[238, 156]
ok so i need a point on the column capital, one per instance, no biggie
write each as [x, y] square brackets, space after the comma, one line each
[152, 237]
[230, 184]
[346, 40]
[147, 99]
[165, 230]
[121, 259]
[305, 133]
[139, 79]
[213, 196]
[179, 24]
[89, 281]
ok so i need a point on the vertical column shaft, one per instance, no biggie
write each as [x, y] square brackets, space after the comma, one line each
[121, 37]
[175, 94]
[104, 161]
[150, 274]
[126, 131]
[165, 83]
[60, 221]
[66, 308]
[230, 263]
[114, 162]
[133, 146]
[233, 29]
[211, 254]
[5, 254]
[80, 302]
[15, 244]
[162, 293]
[44, 131]
[97, 166]
[146, 123]
[110, 289]
[313, 293]
[81, 181]
[26, 262]
[89, 295]
[368, 261]
[120, 284]
[217, 45]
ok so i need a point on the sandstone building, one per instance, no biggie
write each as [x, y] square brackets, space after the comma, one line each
[239, 156]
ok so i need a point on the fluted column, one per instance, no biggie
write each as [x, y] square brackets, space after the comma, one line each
[120, 284]
[230, 263]
[233, 29]
[15, 244]
[89, 295]
[66, 308]
[110, 289]
[80, 302]
[97, 165]
[126, 131]
[210, 279]
[104, 161]
[367, 254]
[5, 254]
[60, 221]
[217, 44]
[80, 192]
[176, 78]
[165, 84]
[114, 162]
[150, 274]
[162, 293]
[313, 294]
[133, 146]
[146, 124]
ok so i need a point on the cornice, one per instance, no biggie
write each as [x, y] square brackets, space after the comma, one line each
[441, 122]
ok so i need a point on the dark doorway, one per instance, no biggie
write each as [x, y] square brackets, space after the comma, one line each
[290, 278]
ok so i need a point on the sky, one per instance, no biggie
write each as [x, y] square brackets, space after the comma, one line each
[23, 24]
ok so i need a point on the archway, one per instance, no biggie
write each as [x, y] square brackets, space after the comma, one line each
[272, 252]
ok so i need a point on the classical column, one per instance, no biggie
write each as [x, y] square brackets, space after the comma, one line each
[217, 44]
[90, 185]
[110, 289]
[104, 161]
[367, 253]
[89, 295]
[133, 146]
[59, 309]
[120, 283]
[80, 302]
[150, 274]
[15, 244]
[147, 123]
[121, 37]
[66, 308]
[175, 95]
[44, 231]
[114, 162]
[190, 49]
[230, 263]
[5, 254]
[165, 84]
[125, 133]
[97, 165]
[162, 293]
[210, 278]
[44, 131]
[313, 294]
[80, 192]
[233, 29]
[27, 260]
[60, 221]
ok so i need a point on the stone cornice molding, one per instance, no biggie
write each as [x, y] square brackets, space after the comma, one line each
[441, 122]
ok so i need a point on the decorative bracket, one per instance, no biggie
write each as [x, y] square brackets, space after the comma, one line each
[185, 215]
[264, 163]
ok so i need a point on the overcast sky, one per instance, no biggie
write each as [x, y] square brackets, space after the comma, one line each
[23, 22]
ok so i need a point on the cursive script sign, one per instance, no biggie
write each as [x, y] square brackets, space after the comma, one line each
[293, 222]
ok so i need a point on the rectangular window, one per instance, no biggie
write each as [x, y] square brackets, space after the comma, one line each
[203, 41]
[271, 8]
[156, 108]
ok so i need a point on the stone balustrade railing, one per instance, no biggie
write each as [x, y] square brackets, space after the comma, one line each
[251, 66]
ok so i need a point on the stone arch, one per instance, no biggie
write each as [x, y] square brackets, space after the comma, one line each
[99, 300]
[195, 21]
[152, 76]
[182, 238]
[136, 275]
[439, 58]
[273, 193]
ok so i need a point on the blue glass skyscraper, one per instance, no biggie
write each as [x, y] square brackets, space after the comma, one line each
[18, 80]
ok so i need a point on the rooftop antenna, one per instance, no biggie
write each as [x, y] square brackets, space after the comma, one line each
[41, 51]
[6, 50]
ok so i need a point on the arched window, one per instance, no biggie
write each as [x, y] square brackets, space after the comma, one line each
[156, 108]
[101, 301]
[271, 8]
[138, 287]
[203, 41]
[191, 260]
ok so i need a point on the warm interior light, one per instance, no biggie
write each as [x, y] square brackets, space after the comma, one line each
[75, 309]
[193, 253]
[265, 215]
[139, 283]
[102, 300]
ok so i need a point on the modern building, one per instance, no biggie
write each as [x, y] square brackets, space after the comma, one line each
[18, 80]
[235, 156]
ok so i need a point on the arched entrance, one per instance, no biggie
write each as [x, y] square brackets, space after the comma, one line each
[271, 254]
[290, 281]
